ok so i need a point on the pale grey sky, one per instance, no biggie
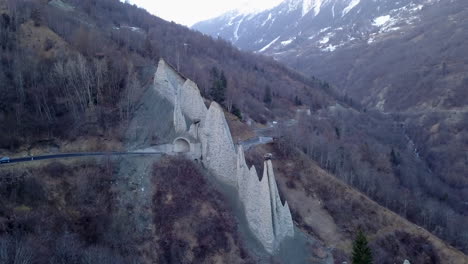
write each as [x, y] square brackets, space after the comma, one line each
[188, 12]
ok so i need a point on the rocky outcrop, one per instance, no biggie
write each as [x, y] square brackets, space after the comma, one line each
[282, 220]
[194, 131]
[167, 81]
[179, 120]
[254, 195]
[258, 210]
[218, 150]
[268, 219]
[192, 101]
[242, 172]
[172, 86]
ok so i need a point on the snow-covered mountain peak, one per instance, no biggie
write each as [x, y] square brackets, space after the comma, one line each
[306, 6]
[322, 26]
[317, 5]
[254, 7]
[351, 4]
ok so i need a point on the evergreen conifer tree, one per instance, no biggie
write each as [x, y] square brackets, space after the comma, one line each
[361, 251]
[267, 97]
[219, 86]
[297, 101]
[395, 158]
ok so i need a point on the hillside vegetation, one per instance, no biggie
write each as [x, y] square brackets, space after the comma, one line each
[316, 199]
[72, 212]
[71, 68]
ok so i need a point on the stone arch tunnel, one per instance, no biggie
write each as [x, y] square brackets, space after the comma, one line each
[181, 145]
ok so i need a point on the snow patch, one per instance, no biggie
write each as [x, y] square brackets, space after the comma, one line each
[305, 5]
[287, 42]
[371, 39]
[236, 31]
[266, 21]
[350, 7]
[387, 23]
[324, 40]
[269, 45]
[381, 20]
[324, 29]
[330, 48]
[320, 32]
[134, 29]
[259, 41]
[417, 8]
[308, 5]
[233, 15]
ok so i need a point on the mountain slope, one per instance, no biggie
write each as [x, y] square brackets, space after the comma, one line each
[324, 25]
[400, 57]
[404, 59]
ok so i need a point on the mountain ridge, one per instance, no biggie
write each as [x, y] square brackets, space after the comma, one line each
[307, 21]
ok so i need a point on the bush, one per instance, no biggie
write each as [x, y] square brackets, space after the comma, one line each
[55, 169]
[49, 44]
[235, 111]
[23, 190]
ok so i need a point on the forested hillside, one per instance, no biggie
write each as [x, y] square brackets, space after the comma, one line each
[52, 48]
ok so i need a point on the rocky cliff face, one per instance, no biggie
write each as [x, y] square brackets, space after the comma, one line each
[179, 120]
[218, 149]
[191, 99]
[268, 219]
[282, 220]
[168, 81]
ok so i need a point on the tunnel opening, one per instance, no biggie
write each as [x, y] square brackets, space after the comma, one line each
[181, 145]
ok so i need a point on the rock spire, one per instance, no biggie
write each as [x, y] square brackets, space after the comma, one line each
[268, 219]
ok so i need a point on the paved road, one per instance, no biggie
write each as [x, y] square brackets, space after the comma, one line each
[247, 144]
[71, 155]
[272, 129]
